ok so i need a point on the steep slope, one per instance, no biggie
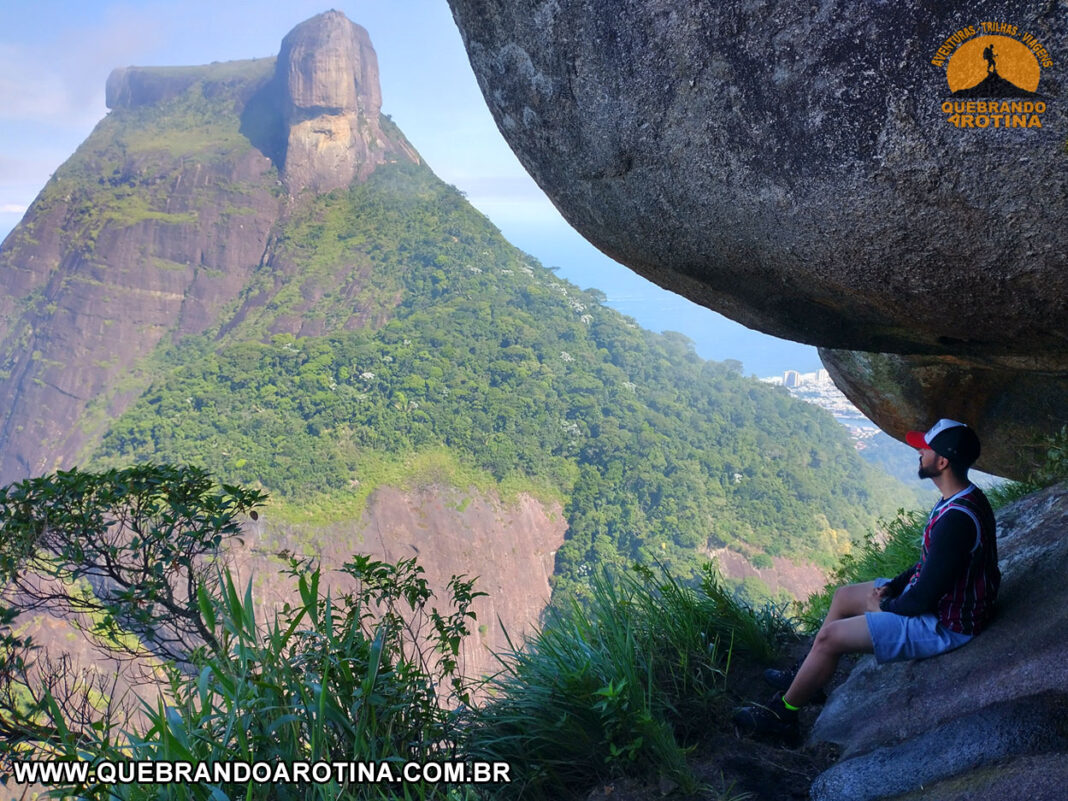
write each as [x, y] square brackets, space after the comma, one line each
[157, 220]
[514, 376]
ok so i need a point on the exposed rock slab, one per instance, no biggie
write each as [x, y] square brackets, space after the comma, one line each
[509, 547]
[998, 704]
[83, 315]
[1012, 409]
[797, 580]
[789, 164]
[332, 102]
[1036, 778]
[1007, 730]
[151, 231]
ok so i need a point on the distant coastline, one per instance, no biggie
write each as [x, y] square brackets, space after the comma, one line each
[817, 388]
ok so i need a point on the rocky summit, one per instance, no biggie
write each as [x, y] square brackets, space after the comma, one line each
[794, 167]
[332, 104]
[166, 213]
[246, 267]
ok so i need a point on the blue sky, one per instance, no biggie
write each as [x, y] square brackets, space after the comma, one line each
[55, 56]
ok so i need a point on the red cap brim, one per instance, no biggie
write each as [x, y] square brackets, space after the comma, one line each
[916, 440]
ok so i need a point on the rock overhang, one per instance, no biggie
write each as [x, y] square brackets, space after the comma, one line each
[795, 167]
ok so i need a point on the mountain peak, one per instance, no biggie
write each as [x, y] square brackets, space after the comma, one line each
[328, 64]
[318, 117]
[328, 70]
[993, 85]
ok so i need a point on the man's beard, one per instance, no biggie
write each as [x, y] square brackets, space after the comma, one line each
[925, 472]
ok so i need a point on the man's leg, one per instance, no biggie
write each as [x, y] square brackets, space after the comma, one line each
[844, 630]
[848, 635]
[849, 601]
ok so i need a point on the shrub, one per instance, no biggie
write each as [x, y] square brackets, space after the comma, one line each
[369, 675]
[1055, 465]
[618, 685]
[326, 681]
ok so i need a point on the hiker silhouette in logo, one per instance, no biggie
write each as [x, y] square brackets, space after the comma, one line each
[988, 54]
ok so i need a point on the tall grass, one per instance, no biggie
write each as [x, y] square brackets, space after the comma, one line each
[618, 685]
[363, 677]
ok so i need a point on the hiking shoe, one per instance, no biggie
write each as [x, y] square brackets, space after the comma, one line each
[771, 721]
[782, 679]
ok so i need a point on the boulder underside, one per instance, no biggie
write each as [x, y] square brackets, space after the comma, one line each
[791, 166]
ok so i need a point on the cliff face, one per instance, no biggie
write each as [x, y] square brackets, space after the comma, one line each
[332, 104]
[509, 547]
[160, 220]
[95, 277]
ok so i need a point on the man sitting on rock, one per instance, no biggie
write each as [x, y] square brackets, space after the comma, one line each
[936, 605]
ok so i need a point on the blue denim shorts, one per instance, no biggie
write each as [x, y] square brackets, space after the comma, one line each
[899, 637]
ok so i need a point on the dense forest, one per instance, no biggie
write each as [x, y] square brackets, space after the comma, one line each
[462, 345]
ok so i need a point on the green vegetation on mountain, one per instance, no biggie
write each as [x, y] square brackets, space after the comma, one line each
[464, 347]
[128, 171]
[898, 460]
[625, 684]
[390, 335]
[378, 336]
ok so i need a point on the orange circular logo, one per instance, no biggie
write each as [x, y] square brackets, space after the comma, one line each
[991, 62]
